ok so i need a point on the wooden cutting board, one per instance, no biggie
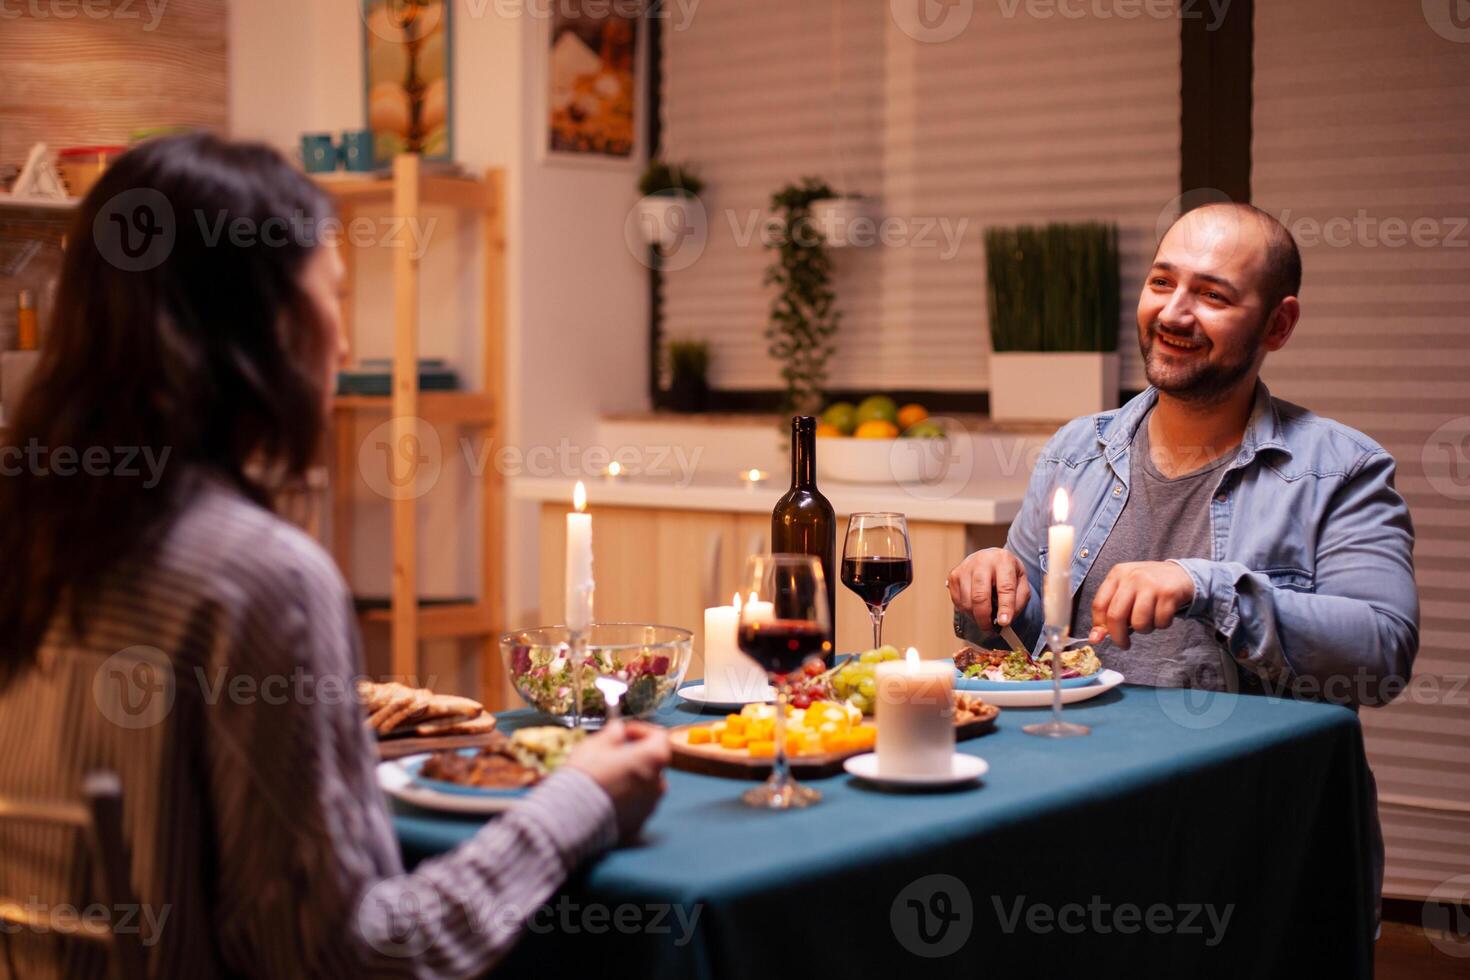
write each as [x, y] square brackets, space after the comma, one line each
[715, 760]
[398, 748]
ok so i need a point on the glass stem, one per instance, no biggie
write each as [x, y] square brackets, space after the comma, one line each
[780, 767]
[877, 613]
[1054, 643]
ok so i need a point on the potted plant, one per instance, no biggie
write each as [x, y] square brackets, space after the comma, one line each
[1053, 298]
[669, 191]
[804, 316]
[835, 217]
[688, 363]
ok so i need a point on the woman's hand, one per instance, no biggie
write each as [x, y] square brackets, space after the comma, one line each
[627, 759]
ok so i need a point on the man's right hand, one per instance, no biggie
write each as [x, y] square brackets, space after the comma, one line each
[627, 759]
[990, 586]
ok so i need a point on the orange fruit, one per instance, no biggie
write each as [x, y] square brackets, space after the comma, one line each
[911, 415]
[877, 429]
[825, 431]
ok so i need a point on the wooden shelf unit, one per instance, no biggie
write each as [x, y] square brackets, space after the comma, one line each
[408, 620]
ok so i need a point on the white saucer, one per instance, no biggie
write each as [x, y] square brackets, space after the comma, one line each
[1041, 697]
[967, 768]
[694, 693]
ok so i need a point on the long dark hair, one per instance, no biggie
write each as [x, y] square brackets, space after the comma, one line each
[180, 327]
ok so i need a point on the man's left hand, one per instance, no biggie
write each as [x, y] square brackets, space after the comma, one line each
[1139, 597]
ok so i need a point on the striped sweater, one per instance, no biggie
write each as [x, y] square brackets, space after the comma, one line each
[216, 679]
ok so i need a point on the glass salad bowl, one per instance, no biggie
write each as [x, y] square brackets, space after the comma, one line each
[651, 660]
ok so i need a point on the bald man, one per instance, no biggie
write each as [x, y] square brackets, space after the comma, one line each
[1226, 539]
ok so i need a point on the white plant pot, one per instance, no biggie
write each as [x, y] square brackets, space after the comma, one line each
[663, 219]
[1051, 387]
[837, 220]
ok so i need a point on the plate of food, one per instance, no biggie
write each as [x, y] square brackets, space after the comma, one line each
[819, 738]
[1017, 670]
[484, 780]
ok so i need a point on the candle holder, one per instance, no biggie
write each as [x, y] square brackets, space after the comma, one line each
[1056, 640]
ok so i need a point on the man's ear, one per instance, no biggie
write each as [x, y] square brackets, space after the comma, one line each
[1282, 322]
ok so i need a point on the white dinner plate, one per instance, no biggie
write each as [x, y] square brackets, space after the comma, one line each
[967, 768]
[1041, 697]
[694, 694]
[397, 778]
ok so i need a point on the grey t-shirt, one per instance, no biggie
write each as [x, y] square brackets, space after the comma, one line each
[1163, 518]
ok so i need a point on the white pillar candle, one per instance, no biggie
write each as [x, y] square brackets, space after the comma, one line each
[1057, 593]
[759, 611]
[729, 675]
[579, 562]
[915, 716]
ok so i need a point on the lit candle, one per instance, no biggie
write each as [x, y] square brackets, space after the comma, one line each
[758, 611]
[579, 562]
[613, 471]
[729, 675]
[915, 716]
[752, 478]
[1057, 595]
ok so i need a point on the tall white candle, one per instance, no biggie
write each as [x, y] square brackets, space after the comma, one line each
[915, 715]
[580, 585]
[1057, 594]
[729, 675]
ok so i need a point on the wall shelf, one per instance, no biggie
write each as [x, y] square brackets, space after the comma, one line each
[409, 619]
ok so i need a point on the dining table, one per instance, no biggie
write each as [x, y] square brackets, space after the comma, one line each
[1191, 834]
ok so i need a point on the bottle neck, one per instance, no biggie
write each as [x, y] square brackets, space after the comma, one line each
[803, 456]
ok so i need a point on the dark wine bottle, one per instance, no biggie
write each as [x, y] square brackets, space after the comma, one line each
[803, 522]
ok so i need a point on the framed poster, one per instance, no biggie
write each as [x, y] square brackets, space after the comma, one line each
[592, 85]
[408, 78]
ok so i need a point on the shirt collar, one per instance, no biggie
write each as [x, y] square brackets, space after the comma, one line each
[1115, 431]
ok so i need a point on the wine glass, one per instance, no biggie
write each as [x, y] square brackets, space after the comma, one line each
[783, 623]
[877, 563]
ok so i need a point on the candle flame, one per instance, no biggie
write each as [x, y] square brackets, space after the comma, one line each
[1059, 506]
[614, 468]
[911, 657]
[736, 602]
[755, 475]
[579, 497]
[753, 598]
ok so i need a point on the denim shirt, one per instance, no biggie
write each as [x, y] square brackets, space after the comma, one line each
[1310, 583]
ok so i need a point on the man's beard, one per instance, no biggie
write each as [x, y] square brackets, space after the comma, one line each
[1199, 380]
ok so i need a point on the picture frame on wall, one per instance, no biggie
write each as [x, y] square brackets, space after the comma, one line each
[408, 78]
[592, 80]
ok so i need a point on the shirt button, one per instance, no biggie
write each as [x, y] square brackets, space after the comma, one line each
[1084, 552]
[1117, 491]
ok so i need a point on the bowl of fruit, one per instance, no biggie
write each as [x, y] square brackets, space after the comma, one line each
[876, 441]
[651, 660]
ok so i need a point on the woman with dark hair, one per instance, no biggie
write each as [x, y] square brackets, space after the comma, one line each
[157, 618]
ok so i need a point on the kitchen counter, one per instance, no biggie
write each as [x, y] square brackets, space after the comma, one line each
[983, 499]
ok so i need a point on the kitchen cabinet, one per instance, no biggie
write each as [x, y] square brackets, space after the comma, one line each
[665, 566]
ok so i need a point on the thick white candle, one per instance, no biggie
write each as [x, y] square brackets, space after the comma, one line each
[1057, 594]
[729, 675]
[915, 716]
[579, 562]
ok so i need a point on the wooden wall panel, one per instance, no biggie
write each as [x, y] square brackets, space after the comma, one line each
[84, 79]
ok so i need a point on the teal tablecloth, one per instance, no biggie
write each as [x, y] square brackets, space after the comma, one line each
[1223, 837]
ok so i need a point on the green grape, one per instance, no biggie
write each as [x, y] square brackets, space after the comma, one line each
[871, 656]
[867, 687]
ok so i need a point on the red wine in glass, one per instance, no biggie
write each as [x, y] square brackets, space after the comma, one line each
[877, 580]
[781, 646]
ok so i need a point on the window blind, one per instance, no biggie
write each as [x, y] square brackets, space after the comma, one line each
[1359, 129]
[1016, 119]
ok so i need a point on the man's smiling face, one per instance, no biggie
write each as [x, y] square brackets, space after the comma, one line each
[1203, 312]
